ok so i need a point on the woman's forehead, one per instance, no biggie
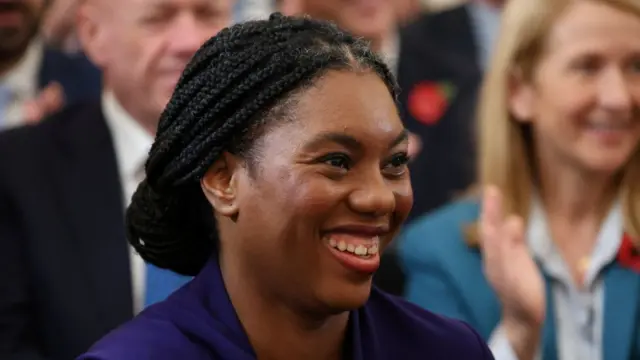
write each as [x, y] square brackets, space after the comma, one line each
[591, 21]
[343, 100]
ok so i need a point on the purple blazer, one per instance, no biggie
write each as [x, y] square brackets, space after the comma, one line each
[198, 322]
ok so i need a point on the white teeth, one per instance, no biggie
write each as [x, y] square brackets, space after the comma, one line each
[360, 250]
[373, 250]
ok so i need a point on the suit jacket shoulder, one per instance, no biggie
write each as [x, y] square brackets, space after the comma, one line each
[155, 337]
[435, 30]
[79, 78]
[438, 233]
[439, 75]
[430, 22]
[444, 273]
[26, 146]
[61, 211]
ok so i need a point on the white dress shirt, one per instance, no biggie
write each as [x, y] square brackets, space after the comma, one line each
[22, 80]
[132, 143]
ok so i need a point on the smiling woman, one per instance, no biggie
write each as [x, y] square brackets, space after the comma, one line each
[283, 139]
[541, 263]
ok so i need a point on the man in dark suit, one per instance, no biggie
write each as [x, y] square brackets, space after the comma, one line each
[442, 59]
[67, 274]
[35, 79]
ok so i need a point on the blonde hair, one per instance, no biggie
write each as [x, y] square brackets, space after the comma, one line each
[504, 147]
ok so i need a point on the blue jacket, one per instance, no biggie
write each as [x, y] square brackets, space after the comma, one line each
[445, 275]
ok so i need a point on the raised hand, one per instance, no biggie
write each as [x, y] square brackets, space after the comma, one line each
[512, 273]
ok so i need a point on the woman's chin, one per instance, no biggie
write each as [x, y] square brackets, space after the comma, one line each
[606, 166]
[348, 297]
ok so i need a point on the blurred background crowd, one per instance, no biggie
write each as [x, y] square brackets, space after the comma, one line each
[538, 98]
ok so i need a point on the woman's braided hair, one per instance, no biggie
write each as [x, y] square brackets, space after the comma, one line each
[237, 82]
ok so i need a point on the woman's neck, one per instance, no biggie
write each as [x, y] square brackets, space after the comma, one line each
[574, 196]
[281, 330]
[575, 202]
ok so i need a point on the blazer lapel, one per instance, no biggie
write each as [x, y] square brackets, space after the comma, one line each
[621, 302]
[549, 340]
[91, 195]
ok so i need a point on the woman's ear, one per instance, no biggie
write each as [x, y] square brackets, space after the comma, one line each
[219, 185]
[521, 97]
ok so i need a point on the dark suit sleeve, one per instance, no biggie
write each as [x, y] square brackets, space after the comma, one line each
[16, 322]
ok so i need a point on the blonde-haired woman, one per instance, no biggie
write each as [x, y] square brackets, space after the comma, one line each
[546, 264]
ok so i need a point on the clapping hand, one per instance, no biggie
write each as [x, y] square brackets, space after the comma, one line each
[512, 273]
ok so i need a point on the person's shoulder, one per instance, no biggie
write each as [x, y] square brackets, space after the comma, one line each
[70, 63]
[148, 336]
[417, 328]
[69, 116]
[431, 23]
[439, 233]
[79, 77]
[447, 216]
[27, 143]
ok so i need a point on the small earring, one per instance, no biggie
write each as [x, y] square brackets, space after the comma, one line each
[228, 190]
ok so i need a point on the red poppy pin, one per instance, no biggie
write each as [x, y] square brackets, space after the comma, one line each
[428, 100]
[628, 254]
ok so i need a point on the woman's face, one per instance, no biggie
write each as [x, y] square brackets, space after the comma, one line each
[329, 192]
[583, 99]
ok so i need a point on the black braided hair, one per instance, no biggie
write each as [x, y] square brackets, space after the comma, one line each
[237, 82]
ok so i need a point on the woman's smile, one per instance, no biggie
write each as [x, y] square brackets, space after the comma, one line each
[356, 247]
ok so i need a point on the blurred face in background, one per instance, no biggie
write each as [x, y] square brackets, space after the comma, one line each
[19, 23]
[407, 10]
[584, 94]
[143, 46]
[371, 19]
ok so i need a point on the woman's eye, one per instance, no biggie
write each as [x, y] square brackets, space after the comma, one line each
[399, 160]
[398, 164]
[587, 65]
[338, 160]
[634, 66]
